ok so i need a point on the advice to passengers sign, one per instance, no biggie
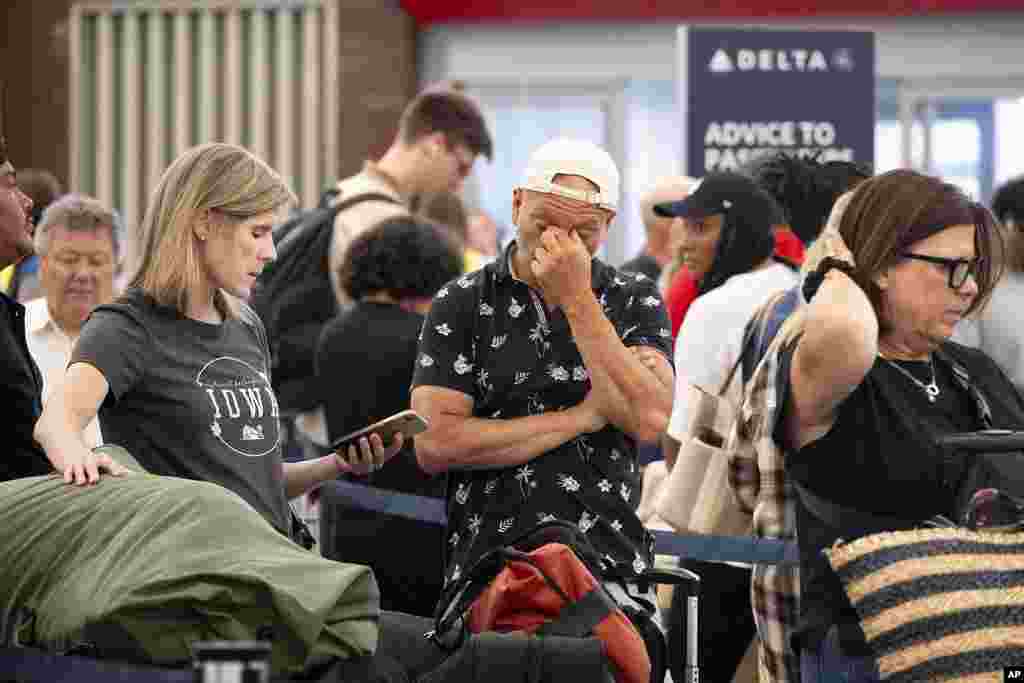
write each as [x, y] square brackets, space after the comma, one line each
[746, 92]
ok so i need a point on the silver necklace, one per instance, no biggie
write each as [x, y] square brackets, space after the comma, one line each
[931, 389]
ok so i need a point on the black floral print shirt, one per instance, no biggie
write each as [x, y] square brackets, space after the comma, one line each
[490, 336]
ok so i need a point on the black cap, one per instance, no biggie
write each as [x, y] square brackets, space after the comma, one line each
[722, 192]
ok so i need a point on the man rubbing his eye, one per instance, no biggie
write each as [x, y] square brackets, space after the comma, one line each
[540, 372]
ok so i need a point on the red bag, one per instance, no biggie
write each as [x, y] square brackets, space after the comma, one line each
[550, 590]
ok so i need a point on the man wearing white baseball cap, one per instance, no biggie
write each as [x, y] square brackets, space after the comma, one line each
[540, 372]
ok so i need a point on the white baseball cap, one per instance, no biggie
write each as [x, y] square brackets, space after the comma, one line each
[563, 156]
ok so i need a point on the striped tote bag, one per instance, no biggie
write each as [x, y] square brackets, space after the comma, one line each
[939, 604]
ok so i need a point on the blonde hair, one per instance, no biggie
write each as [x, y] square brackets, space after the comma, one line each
[212, 177]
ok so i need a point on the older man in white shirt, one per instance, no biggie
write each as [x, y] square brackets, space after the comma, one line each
[78, 244]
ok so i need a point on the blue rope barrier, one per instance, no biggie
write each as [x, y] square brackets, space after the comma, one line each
[749, 549]
[33, 666]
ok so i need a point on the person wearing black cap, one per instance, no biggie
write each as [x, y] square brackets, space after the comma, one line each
[729, 223]
[728, 239]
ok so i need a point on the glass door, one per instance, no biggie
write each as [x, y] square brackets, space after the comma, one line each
[968, 133]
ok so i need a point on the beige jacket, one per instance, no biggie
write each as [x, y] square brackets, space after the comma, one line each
[361, 217]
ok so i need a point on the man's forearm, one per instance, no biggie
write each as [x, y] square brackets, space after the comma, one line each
[455, 442]
[617, 373]
[615, 403]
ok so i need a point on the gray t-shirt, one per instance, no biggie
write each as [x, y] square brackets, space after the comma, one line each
[190, 399]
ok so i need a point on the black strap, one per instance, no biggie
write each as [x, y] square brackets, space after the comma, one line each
[814, 279]
[989, 441]
[349, 202]
[448, 629]
[481, 576]
[520, 556]
[750, 332]
[851, 522]
[328, 210]
[578, 619]
[777, 313]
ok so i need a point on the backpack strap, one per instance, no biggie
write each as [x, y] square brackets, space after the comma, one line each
[778, 311]
[449, 624]
[330, 205]
[750, 332]
[578, 619]
[341, 203]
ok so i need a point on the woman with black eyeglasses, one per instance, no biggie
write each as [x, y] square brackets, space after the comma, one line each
[869, 379]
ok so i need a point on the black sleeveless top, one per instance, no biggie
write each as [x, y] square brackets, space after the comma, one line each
[880, 457]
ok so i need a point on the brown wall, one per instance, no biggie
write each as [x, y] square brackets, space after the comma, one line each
[377, 77]
[34, 70]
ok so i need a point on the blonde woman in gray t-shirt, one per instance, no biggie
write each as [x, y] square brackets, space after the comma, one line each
[178, 368]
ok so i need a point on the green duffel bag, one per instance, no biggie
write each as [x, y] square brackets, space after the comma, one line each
[145, 565]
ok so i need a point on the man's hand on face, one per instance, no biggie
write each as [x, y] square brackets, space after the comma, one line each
[561, 264]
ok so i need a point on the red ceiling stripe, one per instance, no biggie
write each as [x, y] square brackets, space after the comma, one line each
[506, 11]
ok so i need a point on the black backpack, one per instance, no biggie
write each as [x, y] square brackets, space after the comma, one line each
[294, 297]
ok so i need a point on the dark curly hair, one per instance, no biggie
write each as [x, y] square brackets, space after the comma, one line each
[406, 257]
[1008, 206]
[1008, 201]
[806, 189]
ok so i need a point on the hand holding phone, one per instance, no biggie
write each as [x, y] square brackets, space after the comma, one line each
[366, 449]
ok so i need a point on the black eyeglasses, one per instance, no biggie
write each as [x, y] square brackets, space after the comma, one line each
[959, 269]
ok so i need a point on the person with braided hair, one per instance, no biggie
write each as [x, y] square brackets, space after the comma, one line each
[806, 189]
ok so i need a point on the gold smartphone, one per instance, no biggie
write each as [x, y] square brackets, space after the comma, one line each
[408, 423]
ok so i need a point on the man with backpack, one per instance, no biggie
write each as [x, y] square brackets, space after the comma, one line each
[440, 135]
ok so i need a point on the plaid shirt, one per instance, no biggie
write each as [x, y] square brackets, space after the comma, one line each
[758, 481]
